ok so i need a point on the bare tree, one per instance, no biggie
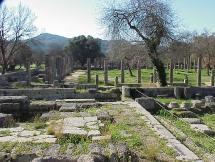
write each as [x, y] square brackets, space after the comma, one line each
[150, 21]
[15, 24]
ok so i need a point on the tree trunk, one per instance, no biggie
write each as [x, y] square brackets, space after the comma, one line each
[159, 65]
[130, 71]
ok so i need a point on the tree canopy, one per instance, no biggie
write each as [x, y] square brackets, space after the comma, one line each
[82, 47]
[149, 21]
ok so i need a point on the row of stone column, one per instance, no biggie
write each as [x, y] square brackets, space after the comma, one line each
[186, 65]
[105, 67]
[57, 67]
[199, 68]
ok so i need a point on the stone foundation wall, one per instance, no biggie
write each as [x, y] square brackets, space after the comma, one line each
[177, 92]
[58, 93]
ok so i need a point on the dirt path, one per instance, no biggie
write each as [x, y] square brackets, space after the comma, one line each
[73, 77]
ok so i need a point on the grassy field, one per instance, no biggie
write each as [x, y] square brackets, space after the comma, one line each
[179, 76]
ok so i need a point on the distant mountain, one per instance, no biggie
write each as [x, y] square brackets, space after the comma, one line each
[45, 43]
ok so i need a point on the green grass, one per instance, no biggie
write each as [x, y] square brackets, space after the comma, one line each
[179, 76]
[168, 100]
[5, 133]
[209, 120]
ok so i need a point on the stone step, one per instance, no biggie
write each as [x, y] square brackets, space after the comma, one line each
[68, 107]
[203, 129]
[192, 120]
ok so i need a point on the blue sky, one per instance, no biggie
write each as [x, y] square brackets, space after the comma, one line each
[75, 17]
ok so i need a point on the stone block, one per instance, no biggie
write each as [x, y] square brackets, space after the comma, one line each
[173, 105]
[185, 105]
[197, 103]
[192, 120]
[203, 128]
[209, 99]
[147, 103]
[14, 99]
[92, 90]
[68, 107]
[10, 108]
[6, 120]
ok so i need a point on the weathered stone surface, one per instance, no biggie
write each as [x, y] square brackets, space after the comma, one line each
[123, 152]
[13, 99]
[52, 151]
[185, 105]
[113, 153]
[27, 133]
[101, 138]
[209, 99]
[192, 120]
[173, 105]
[74, 130]
[95, 148]
[7, 138]
[53, 159]
[68, 107]
[6, 120]
[92, 133]
[91, 119]
[24, 157]
[75, 121]
[147, 103]
[197, 103]
[46, 116]
[104, 116]
[203, 128]
[91, 158]
[185, 114]
[88, 105]
[42, 106]
[4, 157]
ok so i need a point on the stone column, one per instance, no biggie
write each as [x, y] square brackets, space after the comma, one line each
[151, 78]
[194, 64]
[105, 72]
[88, 70]
[186, 81]
[59, 67]
[122, 72]
[138, 72]
[171, 73]
[199, 68]
[116, 81]
[212, 77]
[28, 70]
[154, 75]
[185, 64]
[97, 81]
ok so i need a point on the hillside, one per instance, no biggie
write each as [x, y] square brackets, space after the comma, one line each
[45, 43]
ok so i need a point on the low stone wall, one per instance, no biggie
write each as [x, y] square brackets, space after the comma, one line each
[58, 93]
[177, 92]
[192, 92]
[19, 76]
[151, 92]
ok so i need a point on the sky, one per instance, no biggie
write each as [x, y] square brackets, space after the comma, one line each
[71, 18]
